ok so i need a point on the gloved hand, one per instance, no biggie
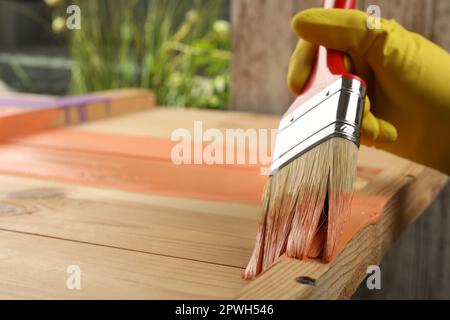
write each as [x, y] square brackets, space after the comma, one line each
[408, 80]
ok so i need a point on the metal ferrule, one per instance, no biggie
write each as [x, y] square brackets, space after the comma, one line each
[336, 111]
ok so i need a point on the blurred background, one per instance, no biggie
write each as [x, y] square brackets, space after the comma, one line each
[179, 49]
[217, 54]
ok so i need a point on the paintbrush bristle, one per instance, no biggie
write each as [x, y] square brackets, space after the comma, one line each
[305, 205]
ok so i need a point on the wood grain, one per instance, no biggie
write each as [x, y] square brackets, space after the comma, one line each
[35, 267]
[214, 232]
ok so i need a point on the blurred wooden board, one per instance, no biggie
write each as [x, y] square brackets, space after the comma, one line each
[137, 245]
[41, 112]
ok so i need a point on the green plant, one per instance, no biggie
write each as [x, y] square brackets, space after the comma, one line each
[178, 48]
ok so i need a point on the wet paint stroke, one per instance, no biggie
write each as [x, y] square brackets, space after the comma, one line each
[135, 173]
[119, 144]
[143, 165]
[18, 123]
[365, 210]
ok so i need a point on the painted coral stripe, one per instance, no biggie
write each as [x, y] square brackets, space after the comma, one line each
[118, 144]
[142, 164]
[23, 123]
[132, 174]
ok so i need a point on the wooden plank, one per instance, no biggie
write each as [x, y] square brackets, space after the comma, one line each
[206, 231]
[161, 122]
[214, 232]
[340, 279]
[41, 113]
[134, 173]
[35, 267]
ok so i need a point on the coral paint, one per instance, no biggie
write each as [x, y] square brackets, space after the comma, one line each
[12, 123]
[103, 160]
[142, 164]
[365, 210]
[118, 144]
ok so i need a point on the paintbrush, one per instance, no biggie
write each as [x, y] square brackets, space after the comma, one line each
[308, 194]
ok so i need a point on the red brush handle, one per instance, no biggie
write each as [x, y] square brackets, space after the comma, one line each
[339, 4]
[329, 65]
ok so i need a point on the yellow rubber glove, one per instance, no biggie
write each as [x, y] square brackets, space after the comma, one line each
[408, 80]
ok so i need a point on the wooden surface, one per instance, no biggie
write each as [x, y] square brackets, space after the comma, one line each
[62, 111]
[138, 245]
[114, 237]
